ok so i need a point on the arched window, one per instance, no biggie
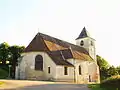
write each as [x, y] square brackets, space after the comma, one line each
[39, 62]
[80, 70]
[82, 43]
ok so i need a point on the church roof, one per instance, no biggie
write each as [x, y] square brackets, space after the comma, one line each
[37, 44]
[60, 56]
[58, 50]
[83, 34]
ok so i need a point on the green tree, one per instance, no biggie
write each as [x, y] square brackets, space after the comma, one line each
[103, 66]
[4, 52]
[105, 69]
[118, 69]
[15, 52]
[112, 71]
[102, 63]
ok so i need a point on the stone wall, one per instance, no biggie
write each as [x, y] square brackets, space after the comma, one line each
[89, 70]
[27, 67]
[60, 76]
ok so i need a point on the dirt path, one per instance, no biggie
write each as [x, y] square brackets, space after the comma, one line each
[40, 85]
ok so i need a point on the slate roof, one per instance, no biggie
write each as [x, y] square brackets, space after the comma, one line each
[58, 50]
[83, 34]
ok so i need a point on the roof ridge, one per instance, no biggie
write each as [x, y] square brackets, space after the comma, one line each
[70, 44]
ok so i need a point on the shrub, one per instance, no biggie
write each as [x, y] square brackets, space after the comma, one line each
[112, 82]
[3, 74]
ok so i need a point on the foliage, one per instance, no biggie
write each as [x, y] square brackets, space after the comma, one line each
[96, 87]
[15, 52]
[109, 76]
[118, 69]
[106, 70]
[112, 71]
[3, 73]
[4, 52]
[102, 63]
[112, 82]
[103, 66]
[11, 54]
[113, 78]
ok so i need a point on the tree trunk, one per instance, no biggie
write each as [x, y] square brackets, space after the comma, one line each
[4, 62]
[13, 68]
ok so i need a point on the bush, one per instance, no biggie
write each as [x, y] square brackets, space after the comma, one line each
[3, 74]
[112, 82]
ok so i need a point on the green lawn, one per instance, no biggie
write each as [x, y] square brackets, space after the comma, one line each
[97, 87]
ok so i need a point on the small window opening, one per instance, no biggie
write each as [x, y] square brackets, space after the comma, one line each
[82, 43]
[65, 71]
[48, 69]
[80, 70]
[91, 43]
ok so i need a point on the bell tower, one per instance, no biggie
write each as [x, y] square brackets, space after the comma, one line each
[84, 40]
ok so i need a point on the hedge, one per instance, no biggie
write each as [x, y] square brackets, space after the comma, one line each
[112, 82]
[3, 74]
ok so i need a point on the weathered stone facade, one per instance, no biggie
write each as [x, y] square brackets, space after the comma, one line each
[27, 70]
[62, 61]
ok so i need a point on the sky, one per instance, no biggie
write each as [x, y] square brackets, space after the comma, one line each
[20, 21]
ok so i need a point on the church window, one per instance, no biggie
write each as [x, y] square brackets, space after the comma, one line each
[80, 70]
[48, 69]
[89, 78]
[65, 70]
[39, 62]
[82, 43]
[91, 43]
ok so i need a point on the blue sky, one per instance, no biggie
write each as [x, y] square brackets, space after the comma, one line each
[64, 19]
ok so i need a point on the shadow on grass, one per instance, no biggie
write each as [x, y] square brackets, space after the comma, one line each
[98, 87]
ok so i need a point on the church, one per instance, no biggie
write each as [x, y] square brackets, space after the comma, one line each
[49, 58]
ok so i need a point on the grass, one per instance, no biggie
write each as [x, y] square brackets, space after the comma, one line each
[97, 87]
[111, 83]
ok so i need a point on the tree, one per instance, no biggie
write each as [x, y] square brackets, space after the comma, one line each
[102, 63]
[118, 69]
[103, 66]
[112, 71]
[105, 69]
[4, 52]
[15, 52]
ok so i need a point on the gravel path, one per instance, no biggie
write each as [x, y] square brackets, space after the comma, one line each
[40, 85]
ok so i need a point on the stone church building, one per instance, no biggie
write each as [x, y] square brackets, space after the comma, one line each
[49, 58]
